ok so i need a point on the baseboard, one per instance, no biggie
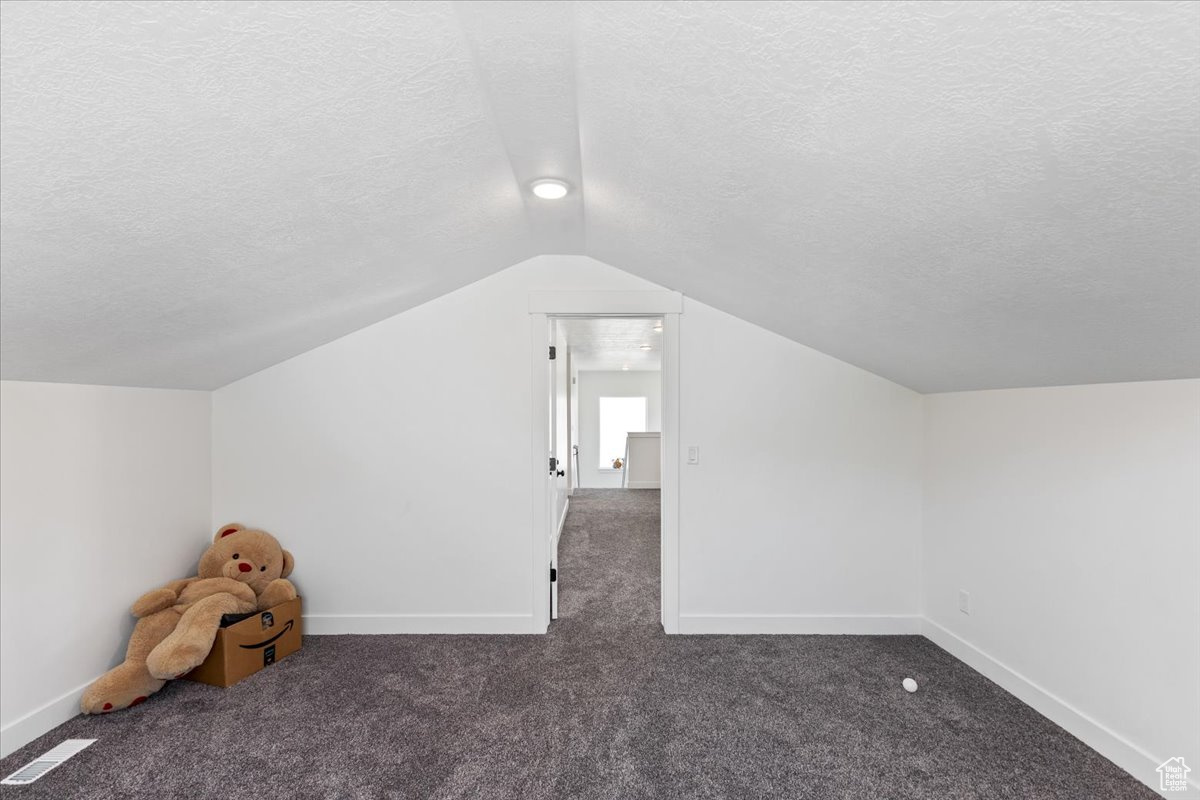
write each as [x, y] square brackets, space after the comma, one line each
[643, 485]
[24, 730]
[331, 624]
[844, 624]
[1125, 754]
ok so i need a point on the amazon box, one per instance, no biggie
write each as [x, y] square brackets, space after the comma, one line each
[248, 642]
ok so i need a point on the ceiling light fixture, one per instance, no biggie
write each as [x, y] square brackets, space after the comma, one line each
[625, 368]
[550, 188]
[646, 347]
[658, 327]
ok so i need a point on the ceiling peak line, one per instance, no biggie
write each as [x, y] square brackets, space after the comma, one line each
[523, 60]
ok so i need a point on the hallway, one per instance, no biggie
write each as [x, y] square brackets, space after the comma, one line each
[608, 563]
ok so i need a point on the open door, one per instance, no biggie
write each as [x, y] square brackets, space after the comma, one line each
[547, 410]
[552, 494]
[557, 457]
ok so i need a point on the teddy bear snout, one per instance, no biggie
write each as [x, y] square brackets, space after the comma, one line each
[244, 567]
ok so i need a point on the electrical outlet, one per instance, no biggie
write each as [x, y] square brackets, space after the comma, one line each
[693, 454]
[964, 602]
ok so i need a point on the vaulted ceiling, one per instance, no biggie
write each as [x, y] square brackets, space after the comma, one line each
[952, 195]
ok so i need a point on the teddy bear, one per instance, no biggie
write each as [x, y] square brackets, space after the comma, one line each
[242, 571]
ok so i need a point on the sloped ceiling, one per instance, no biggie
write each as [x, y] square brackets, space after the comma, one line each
[952, 195]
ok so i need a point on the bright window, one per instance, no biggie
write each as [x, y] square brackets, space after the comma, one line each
[618, 417]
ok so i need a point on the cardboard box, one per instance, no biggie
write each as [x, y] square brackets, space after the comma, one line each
[245, 646]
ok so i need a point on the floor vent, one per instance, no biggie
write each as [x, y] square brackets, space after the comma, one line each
[44, 763]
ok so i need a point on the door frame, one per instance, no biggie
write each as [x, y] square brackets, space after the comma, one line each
[543, 306]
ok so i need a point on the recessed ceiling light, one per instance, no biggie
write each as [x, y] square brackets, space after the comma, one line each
[646, 347]
[658, 327]
[626, 367]
[550, 188]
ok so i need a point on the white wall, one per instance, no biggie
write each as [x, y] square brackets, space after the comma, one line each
[105, 495]
[594, 384]
[394, 462]
[1072, 516]
[401, 473]
[804, 513]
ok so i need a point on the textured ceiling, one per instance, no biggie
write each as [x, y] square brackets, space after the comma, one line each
[952, 195]
[191, 192]
[613, 343]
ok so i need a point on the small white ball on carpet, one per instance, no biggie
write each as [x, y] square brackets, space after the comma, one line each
[910, 685]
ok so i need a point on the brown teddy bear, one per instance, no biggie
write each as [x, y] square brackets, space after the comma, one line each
[242, 571]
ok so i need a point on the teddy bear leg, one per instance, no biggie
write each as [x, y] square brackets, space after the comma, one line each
[190, 642]
[129, 683]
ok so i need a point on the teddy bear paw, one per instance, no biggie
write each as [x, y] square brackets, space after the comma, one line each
[175, 661]
[99, 705]
[277, 591]
[122, 687]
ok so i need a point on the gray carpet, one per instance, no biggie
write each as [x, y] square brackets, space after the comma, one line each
[606, 706]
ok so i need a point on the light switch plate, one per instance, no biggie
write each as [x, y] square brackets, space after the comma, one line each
[693, 454]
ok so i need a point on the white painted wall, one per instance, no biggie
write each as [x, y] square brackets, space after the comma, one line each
[804, 513]
[594, 384]
[105, 495]
[401, 474]
[1072, 516]
[394, 462]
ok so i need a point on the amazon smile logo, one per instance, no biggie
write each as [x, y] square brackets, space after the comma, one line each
[286, 628]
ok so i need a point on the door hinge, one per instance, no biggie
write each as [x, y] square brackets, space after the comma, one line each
[553, 352]
[553, 464]
[553, 574]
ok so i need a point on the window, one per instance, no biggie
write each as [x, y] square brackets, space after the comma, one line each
[618, 417]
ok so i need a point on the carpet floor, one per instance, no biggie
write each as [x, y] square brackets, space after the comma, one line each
[605, 706]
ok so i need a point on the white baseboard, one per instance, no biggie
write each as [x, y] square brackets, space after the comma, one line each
[1125, 754]
[848, 624]
[24, 730]
[329, 624]
[643, 485]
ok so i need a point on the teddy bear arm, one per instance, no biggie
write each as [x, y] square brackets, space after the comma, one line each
[278, 591]
[207, 587]
[156, 600]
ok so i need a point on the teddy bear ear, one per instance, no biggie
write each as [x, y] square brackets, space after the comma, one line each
[225, 530]
[288, 563]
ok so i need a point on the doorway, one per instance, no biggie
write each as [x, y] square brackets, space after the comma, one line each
[589, 347]
[615, 390]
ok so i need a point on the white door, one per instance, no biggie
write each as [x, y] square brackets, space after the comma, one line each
[555, 468]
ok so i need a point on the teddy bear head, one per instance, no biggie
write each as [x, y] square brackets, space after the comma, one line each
[250, 556]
